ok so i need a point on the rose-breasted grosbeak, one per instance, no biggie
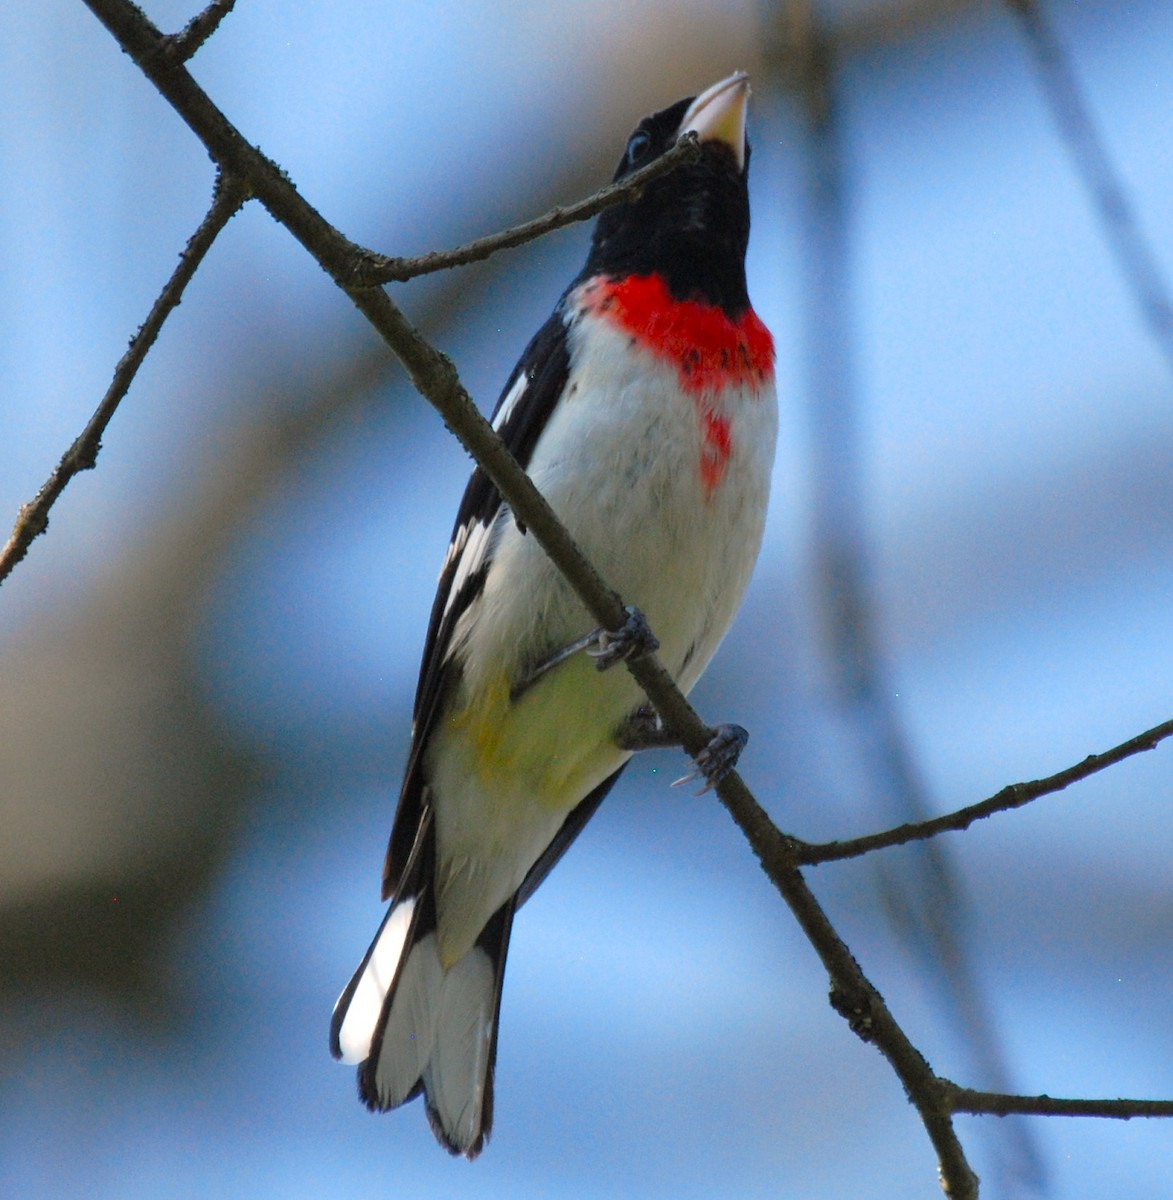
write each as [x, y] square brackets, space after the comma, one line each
[644, 411]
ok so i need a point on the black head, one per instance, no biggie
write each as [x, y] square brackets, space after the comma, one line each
[692, 225]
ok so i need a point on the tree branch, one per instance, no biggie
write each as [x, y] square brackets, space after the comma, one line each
[373, 268]
[1014, 795]
[33, 518]
[967, 1100]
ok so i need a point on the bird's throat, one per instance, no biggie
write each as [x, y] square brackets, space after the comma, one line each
[710, 349]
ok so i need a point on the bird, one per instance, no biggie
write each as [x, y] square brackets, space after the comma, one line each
[644, 410]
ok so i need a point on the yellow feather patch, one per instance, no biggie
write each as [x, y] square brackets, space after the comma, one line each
[553, 740]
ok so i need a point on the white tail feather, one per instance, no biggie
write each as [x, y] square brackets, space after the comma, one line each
[366, 1003]
[437, 1028]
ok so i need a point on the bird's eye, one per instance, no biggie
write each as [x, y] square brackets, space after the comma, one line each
[638, 147]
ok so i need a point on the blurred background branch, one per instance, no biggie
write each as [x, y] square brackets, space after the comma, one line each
[1118, 219]
[920, 889]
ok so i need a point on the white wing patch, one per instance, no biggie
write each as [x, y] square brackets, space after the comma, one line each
[456, 546]
[366, 1005]
[510, 400]
[470, 543]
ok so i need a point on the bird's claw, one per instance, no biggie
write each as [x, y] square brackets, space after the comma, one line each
[718, 758]
[633, 639]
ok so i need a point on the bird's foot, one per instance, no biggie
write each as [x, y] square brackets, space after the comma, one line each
[718, 758]
[633, 639]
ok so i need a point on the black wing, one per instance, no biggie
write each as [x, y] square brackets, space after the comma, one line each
[520, 415]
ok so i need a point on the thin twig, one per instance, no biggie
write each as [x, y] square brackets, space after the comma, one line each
[33, 518]
[1013, 796]
[967, 1100]
[1117, 217]
[179, 47]
[379, 268]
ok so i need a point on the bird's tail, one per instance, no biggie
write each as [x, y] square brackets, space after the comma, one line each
[413, 1025]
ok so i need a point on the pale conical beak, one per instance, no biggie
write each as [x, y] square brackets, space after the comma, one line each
[718, 114]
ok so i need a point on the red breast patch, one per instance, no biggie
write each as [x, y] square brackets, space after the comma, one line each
[716, 448]
[710, 351]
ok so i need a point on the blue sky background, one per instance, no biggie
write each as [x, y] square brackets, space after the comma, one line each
[211, 656]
